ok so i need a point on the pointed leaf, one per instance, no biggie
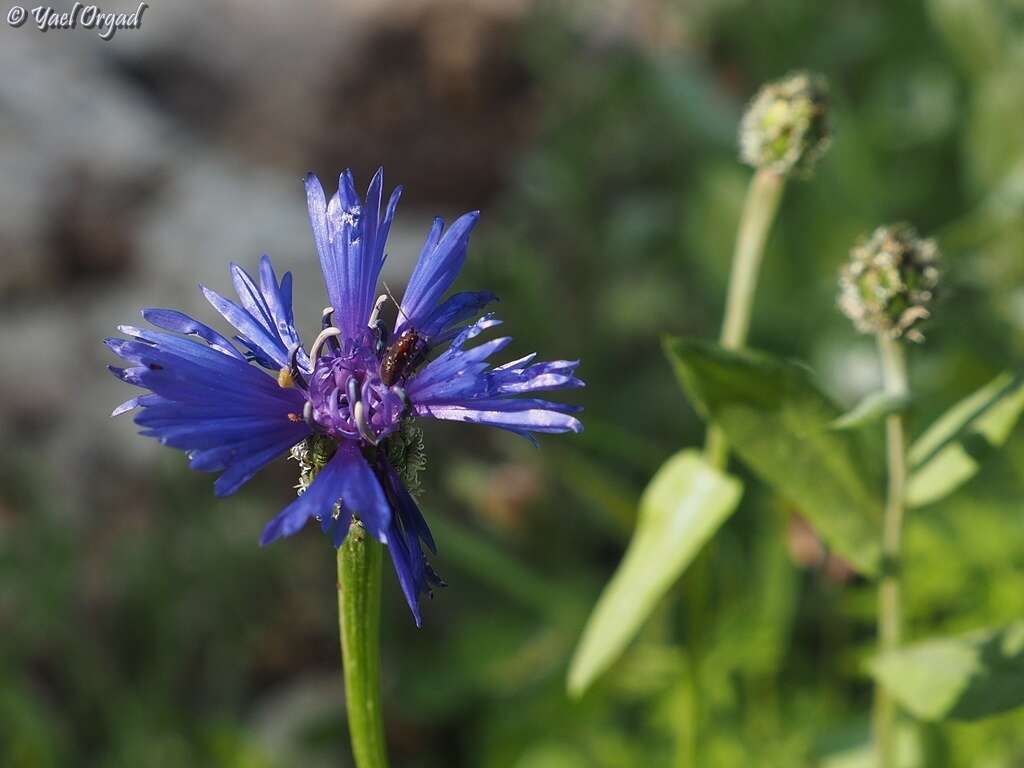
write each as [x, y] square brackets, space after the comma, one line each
[871, 409]
[951, 451]
[682, 507]
[777, 420]
[964, 678]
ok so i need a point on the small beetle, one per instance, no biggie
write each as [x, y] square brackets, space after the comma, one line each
[404, 356]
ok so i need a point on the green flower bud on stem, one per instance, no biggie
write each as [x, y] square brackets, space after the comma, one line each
[313, 453]
[407, 455]
[786, 127]
[889, 283]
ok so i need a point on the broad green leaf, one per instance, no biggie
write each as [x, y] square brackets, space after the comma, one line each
[682, 507]
[872, 408]
[778, 422]
[952, 449]
[965, 678]
[950, 452]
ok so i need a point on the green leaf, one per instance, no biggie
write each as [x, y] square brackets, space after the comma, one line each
[966, 678]
[871, 409]
[682, 507]
[778, 421]
[951, 451]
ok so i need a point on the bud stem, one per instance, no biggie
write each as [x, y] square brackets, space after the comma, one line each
[359, 585]
[890, 619]
[759, 208]
[762, 201]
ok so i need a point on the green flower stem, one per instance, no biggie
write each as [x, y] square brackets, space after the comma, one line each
[759, 209]
[762, 202]
[890, 618]
[359, 583]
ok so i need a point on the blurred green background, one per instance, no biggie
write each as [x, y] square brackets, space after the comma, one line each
[140, 623]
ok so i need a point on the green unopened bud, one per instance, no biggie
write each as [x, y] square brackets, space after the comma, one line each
[313, 453]
[407, 455]
[786, 128]
[889, 282]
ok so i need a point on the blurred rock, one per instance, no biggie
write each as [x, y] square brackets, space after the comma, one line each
[80, 153]
[435, 89]
[441, 94]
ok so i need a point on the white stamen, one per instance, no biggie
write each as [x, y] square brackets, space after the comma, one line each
[376, 310]
[325, 334]
[359, 414]
[352, 390]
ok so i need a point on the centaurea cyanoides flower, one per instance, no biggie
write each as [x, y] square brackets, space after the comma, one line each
[344, 406]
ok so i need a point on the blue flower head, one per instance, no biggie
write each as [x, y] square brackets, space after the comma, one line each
[356, 389]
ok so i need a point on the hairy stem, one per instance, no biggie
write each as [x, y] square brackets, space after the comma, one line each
[759, 209]
[890, 610]
[359, 583]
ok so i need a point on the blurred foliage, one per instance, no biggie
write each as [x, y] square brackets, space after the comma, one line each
[149, 630]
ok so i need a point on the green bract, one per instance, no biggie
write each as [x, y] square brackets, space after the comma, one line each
[312, 454]
[408, 455]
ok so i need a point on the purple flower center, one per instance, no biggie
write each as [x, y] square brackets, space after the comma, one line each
[348, 396]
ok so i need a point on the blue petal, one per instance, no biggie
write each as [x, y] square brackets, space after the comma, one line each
[241, 469]
[179, 322]
[408, 529]
[286, 297]
[548, 418]
[439, 264]
[442, 323]
[227, 414]
[223, 456]
[351, 238]
[370, 260]
[346, 478]
[461, 385]
[277, 302]
[250, 297]
[541, 377]
[317, 204]
[264, 316]
[405, 562]
[192, 376]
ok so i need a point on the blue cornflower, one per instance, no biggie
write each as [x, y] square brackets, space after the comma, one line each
[356, 389]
